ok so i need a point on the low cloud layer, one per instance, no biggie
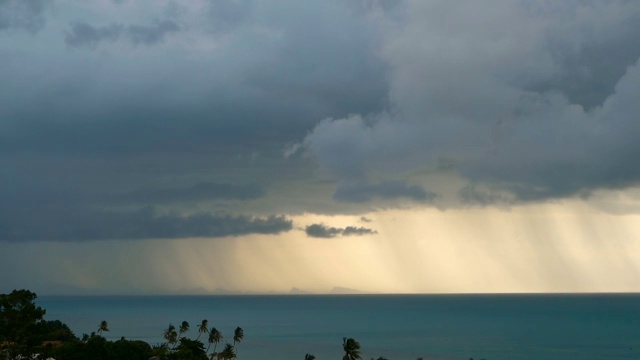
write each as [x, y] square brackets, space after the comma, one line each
[83, 35]
[134, 225]
[324, 231]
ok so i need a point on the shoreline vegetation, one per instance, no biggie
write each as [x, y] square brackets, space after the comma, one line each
[24, 334]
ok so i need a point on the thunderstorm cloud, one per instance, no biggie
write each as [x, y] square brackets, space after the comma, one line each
[539, 111]
[123, 122]
[189, 106]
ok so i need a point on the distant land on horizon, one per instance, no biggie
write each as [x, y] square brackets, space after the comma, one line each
[336, 290]
[73, 291]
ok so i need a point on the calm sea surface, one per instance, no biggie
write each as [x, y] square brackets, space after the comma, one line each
[397, 327]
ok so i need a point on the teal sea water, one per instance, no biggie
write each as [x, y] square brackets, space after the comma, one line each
[493, 327]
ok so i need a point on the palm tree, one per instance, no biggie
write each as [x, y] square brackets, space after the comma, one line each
[203, 328]
[215, 337]
[184, 327]
[351, 349]
[309, 357]
[238, 335]
[103, 327]
[171, 335]
[228, 352]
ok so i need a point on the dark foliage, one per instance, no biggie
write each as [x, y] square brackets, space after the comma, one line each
[18, 316]
[24, 332]
[188, 350]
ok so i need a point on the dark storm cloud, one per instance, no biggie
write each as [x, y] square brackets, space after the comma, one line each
[86, 35]
[149, 35]
[198, 192]
[314, 45]
[323, 231]
[384, 190]
[226, 15]
[475, 195]
[588, 76]
[246, 98]
[196, 124]
[537, 107]
[42, 224]
[82, 201]
[22, 14]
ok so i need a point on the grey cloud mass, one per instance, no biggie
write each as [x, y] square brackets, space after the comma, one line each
[194, 124]
[198, 192]
[324, 231]
[145, 223]
[364, 192]
[226, 15]
[151, 34]
[86, 35]
[171, 140]
[517, 94]
[355, 230]
[22, 14]
[474, 194]
[376, 104]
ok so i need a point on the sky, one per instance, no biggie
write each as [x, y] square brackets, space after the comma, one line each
[215, 146]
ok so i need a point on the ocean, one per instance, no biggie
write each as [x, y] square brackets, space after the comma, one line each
[286, 327]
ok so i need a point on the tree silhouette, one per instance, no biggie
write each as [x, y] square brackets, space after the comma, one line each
[351, 349]
[227, 353]
[203, 328]
[190, 350]
[18, 315]
[238, 335]
[171, 335]
[309, 357]
[103, 327]
[184, 327]
[215, 337]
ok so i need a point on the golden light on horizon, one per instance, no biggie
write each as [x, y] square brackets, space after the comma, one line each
[541, 248]
[568, 247]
